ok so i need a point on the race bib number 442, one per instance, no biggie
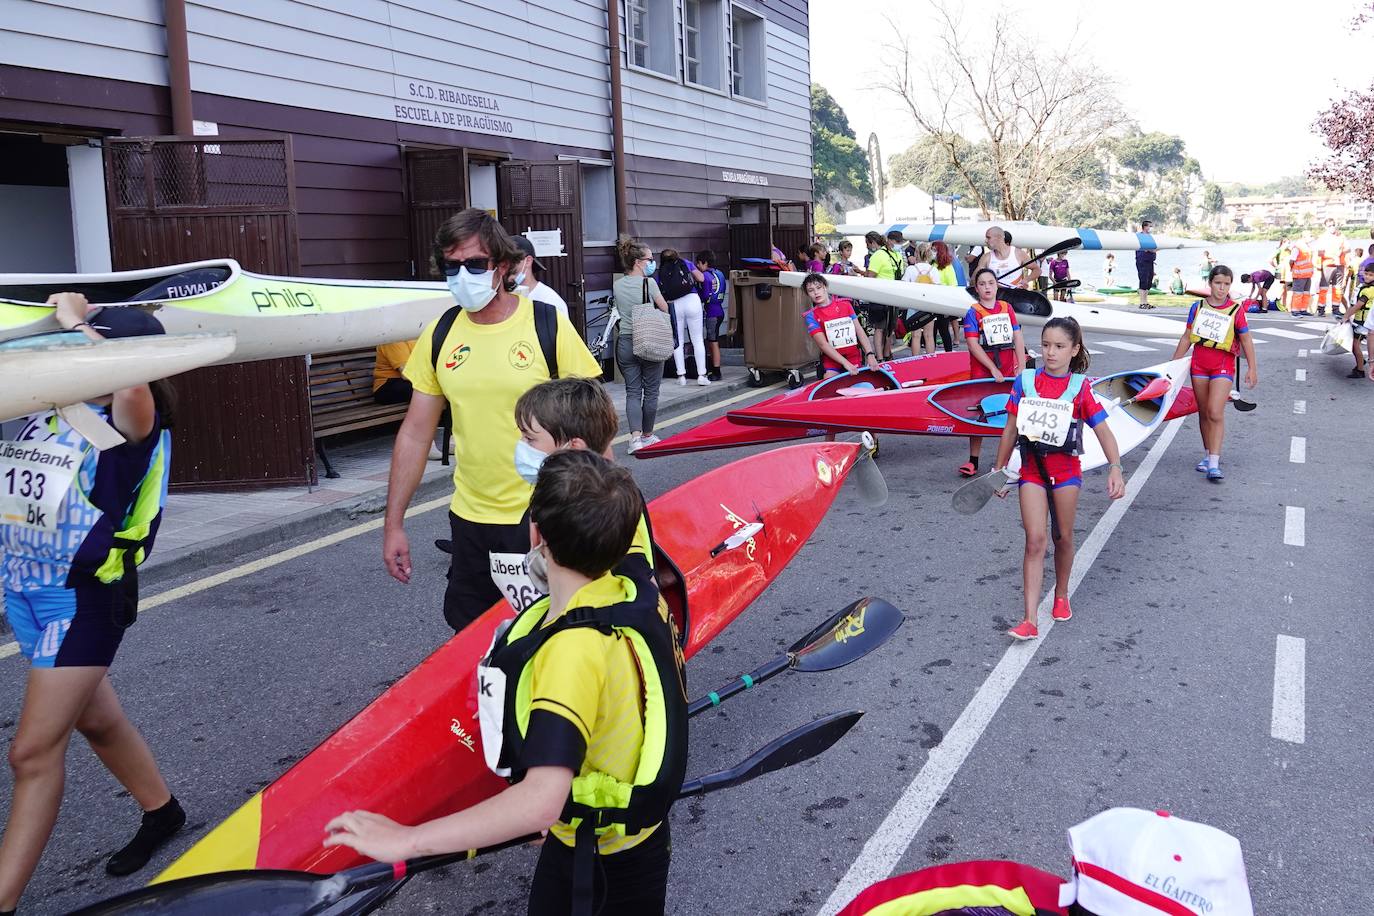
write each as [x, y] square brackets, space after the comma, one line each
[1044, 420]
[34, 478]
[1211, 325]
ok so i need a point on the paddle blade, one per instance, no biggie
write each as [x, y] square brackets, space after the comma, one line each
[244, 893]
[1156, 389]
[1242, 405]
[975, 494]
[846, 637]
[801, 743]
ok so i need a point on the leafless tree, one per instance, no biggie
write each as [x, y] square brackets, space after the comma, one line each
[1029, 112]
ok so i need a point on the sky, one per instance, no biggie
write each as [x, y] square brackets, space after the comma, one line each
[1241, 86]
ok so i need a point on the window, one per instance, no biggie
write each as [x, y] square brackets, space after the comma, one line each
[703, 43]
[748, 54]
[649, 36]
[598, 204]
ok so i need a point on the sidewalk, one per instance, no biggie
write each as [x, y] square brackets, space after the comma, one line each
[209, 527]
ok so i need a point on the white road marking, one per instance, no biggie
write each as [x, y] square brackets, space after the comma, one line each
[1097, 352]
[1302, 354]
[1295, 526]
[1300, 375]
[1288, 720]
[1299, 407]
[1322, 326]
[894, 835]
[300, 550]
[1127, 346]
[1164, 340]
[1287, 334]
[1297, 450]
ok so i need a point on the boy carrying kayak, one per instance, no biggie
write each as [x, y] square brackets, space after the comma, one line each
[587, 685]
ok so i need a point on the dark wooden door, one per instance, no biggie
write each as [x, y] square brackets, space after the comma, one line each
[750, 237]
[791, 228]
[178, 199]
[436, 184]
[545, 196]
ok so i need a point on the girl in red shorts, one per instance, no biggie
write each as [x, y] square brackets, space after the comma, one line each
[1045, 418]
[1217, 330]
[996, 349]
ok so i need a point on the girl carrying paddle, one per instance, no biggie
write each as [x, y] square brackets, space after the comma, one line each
[1217, 330]
[1045, 418]
[996, 349]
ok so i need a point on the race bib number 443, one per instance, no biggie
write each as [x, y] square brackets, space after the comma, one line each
[1044, 420]
[997, 330]
[34, 477]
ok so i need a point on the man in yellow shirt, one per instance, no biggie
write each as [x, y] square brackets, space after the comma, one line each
[491, 353]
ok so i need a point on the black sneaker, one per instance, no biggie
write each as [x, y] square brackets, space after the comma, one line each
[444, 545]
[1356, 373]
[157, 828]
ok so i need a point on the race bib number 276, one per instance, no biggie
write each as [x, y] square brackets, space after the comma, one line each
[34, 478]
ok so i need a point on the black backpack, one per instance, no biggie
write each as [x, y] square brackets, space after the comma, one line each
[545, 328]
[674, 279]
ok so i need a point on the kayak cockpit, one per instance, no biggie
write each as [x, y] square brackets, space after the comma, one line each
[1123, 387]
[180, 281]
[870, 379]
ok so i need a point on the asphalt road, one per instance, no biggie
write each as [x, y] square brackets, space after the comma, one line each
[1160, 693]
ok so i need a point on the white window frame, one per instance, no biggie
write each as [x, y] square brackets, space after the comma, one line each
[717, 31]
[644, 9]
[605, 167]
[762, 26]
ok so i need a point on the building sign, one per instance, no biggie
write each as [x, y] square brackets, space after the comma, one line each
[744, 178]
[441, 105]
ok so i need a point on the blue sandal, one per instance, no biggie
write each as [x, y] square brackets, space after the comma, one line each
[1215, 473]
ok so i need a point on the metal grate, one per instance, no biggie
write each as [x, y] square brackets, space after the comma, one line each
[154, 175]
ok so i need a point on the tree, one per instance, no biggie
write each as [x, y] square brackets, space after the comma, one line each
[839, 167]
[1152, 152]
[1213, 200]
[1038, 110]
[925, 165]
[1344, 128]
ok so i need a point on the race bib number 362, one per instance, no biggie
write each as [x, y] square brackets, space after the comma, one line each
[34, 477]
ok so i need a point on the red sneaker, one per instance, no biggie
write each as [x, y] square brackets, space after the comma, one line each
[1024, 630]
[1061, 610]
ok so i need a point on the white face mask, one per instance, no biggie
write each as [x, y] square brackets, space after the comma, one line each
[537, 567]
[520, 278]
[471, 291]
[528, 461]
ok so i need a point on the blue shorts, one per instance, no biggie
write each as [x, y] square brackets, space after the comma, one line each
[68, 627]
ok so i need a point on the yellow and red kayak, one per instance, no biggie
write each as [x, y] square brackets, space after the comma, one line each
[415, 752]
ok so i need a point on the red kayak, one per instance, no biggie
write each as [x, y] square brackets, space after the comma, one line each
[415, 754]
[976, 888]
[729, 432]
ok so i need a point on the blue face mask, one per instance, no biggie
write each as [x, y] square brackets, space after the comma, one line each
[471, 291]
[528, 461]
[650, 268]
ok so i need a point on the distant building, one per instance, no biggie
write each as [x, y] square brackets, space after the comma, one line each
[910, 204]
[1260, 212]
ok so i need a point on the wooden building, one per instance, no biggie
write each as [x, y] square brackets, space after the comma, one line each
[344, 131]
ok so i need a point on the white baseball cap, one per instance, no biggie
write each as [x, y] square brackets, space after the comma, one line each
[1130, 862]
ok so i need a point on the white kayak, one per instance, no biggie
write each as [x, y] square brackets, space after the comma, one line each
[1025, 235]
[1032, 308]
[1131, 423]
[53, 371]
[271, 316]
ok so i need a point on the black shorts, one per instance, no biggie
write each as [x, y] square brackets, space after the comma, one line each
[393, 391]
[711, 327]
[629, 883]
[1145, 277]
[877, 317]
[1265, 286]
[471, 589]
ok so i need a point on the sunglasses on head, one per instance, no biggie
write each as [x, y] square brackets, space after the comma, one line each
[449, 268]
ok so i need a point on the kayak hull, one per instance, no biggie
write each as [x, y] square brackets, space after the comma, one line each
[415, 753]
[1025, 235]
[1032, 309]
[65, 369]
[727, 432]
[272, 316]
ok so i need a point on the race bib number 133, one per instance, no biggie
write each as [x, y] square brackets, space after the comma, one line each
[34, 478]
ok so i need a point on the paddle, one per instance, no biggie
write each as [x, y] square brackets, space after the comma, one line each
[1067, 284]
[1065, 245]
[847, 636]
[1239, 403]
[975, 494]
[266, 892]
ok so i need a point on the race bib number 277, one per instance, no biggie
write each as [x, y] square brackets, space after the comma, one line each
[34, 478]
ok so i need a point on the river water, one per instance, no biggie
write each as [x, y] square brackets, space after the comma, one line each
[1241, 257]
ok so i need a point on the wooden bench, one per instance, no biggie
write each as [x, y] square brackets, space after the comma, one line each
[341, 398]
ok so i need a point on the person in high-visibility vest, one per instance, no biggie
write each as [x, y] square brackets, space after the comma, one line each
[1300, 264]
[1330, 261]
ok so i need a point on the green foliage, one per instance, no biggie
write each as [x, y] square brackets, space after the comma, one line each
[926, 164]
[1213, 199]
[1289, 186]
[838, 164]
[822, 219]
[1152, 152]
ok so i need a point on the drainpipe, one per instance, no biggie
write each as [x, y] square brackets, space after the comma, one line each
[622, 208]
[178, 66]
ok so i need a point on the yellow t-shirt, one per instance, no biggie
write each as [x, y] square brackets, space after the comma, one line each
[483, 370]
[593, 682]
[391, 359]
